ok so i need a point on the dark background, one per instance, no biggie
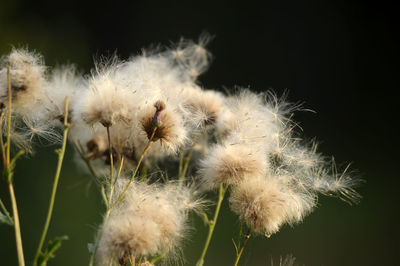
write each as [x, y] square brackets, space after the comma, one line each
[338, 57]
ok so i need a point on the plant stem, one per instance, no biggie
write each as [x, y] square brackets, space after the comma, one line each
[79, 148]
[111, 166]
[55, 184]
[21, 260]
[246, 238]
[184, 161]
[3, 151]
[9, 117]
[181, 155]
[222, 190]
[120, 197]
[6, 160]
[185, 165]
[132, 259]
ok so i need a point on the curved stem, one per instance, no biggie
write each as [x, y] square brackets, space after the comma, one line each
[121, 196]
[111, 165]
[185, 165]
[184, 161]
[246, 238]
[79, 148]
[3, 151]
[9, 117]
[222, 190]
[55, 184]
[21, 260]
[6, 161]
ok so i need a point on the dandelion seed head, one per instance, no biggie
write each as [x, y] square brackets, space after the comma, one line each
[265, 204]
[204, 107]
[64, 82]
[104, 101]
[230, 164]
[27, 77]
[125, 233]
[152, 220]
[193, 58]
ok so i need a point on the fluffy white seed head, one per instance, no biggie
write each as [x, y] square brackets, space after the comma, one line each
[265, 204]
[104, 101]
[27, 77]
[150, 221]
[231, 164]
[64, 82]
[251, 119]
[204, 107]
[193, 58]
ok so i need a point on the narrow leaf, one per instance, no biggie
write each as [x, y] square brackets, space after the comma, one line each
[5, 220]
[51, 248]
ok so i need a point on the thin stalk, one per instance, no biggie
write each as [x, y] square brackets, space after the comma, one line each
[222, 190]
[111, 165]
[9, 117]
[185, 165]
[21, 260]
[143, 173]
[79, 148]
[119, 170]
[120, 197]
[17, 228]
[55, 184]
[246, 238]
[3, 151]
[181, 155]
[132, 259]
[184, 161]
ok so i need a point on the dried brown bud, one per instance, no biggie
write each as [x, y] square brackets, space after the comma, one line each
[159, 105]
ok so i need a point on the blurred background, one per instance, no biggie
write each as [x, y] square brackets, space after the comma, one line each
[340, 58]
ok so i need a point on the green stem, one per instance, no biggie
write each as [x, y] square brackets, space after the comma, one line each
[121, 196]
[181, 155]
[79, 148]
[222, 190]
[9, 118]
[3, 151]
[21, 260]
[184, 161]
[185, 165]
[246, 238]
[120, 169]
[132, 259]
[55, 184]
[17, 228]
[111, 166]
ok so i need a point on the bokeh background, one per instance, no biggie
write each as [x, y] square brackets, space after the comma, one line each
[340, 58]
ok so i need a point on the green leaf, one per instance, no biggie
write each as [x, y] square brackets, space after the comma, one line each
[9, 172]
[5, 220]
[51, 248]
[236, 247]
[14, 160]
